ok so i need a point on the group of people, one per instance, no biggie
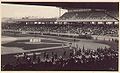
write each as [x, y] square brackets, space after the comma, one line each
[72, 59]
[75, 28]
[88, 15]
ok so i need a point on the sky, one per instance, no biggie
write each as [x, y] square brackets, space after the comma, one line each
[18, 11]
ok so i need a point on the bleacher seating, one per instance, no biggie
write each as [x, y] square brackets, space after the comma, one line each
[88, 15]
[81, 29]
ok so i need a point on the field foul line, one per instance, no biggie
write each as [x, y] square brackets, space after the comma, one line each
[38, 53]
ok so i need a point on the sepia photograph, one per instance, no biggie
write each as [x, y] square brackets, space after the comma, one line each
[59, 36]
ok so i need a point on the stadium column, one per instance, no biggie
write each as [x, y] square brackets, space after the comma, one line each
[104, 22]
[113, 22]
[59, 12]
[96, 22]
[88, 22]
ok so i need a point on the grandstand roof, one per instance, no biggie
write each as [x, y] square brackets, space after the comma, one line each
[74, 5]
[40, 19]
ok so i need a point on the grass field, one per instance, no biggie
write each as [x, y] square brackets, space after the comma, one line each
[29, 46]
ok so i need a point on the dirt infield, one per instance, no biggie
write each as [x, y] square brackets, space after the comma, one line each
[23, 43]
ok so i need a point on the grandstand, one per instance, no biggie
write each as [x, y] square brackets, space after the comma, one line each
[83, 38]
[86, 20]
[89, 15]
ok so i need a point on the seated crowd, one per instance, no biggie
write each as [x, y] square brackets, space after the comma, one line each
[89, 15]
[81, 59]
[76, 28]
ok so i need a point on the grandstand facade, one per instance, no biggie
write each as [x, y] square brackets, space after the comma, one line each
[81, 20]
[90, 16]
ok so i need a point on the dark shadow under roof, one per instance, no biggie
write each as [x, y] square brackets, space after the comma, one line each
[74, 5]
